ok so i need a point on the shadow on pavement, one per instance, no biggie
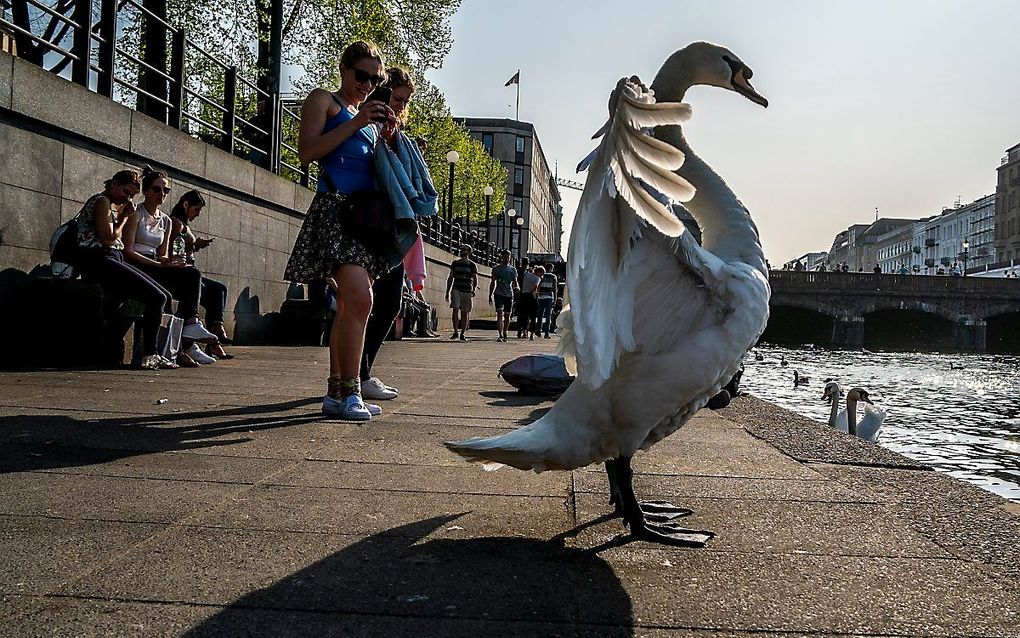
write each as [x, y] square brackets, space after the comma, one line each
[395, 583]
[39, 442]
[514, 398]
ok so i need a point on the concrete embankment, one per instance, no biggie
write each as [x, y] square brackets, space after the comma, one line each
[234, 508]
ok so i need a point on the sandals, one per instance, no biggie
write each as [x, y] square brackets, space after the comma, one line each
[216, 350]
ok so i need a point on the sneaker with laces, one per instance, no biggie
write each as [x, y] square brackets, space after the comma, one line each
[197, 332]
[375, 389]
[196, 353]
[350, 409]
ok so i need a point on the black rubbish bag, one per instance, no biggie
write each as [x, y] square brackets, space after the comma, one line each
[537, 374]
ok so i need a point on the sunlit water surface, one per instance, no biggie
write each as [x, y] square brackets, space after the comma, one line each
[959, 413]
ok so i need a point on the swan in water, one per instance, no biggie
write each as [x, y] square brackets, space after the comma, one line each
[800, 379]
[759, 356]
[782, 360]
[846, 420]
[657, 324]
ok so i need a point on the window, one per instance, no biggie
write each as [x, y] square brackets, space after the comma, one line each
[520, 144]
[519, 205]
[518, 174]
[487, 142]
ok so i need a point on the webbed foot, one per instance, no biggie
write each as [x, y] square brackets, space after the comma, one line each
[669, 534]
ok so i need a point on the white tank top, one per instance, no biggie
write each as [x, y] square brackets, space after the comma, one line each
[150, 233]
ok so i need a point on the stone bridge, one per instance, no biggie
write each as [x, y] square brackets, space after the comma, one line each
[910, 311]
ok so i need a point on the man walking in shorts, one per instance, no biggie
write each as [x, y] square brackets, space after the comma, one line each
[460, 288]
[501, 293]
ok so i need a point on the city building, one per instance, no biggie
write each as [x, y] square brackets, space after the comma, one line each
[1007, 207]
[807, 261]
[531, 189]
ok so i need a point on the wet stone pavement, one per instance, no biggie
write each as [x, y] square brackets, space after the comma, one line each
[236, 509]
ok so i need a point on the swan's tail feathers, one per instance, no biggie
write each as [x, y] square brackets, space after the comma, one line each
[516, 449]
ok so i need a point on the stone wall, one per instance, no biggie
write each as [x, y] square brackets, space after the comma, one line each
[60, 142]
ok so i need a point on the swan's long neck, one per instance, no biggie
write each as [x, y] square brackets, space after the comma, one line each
[727, 229]
[834, 411]
[851, 416]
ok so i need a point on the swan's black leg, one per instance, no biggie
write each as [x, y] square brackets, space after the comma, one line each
[655, 511]
[640, 527]
[614, 488]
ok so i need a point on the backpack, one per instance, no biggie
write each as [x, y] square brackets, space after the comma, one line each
[64, 250]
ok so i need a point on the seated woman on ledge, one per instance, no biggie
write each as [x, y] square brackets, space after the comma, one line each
[101, 224]
[184, 245]
[147, 246]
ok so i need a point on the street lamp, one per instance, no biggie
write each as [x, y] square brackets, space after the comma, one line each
[520, 235]
[452, 157]
[510, 228]
[966, 250]
[487, 191]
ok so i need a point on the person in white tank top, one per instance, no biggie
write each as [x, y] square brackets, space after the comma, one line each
[147, 246]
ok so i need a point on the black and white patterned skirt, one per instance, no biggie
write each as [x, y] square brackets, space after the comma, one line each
[321, 245]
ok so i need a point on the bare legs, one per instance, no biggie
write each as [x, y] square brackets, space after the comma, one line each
[353, 306]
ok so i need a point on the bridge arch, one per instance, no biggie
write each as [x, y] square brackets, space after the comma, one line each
[798, 323]
[872, 306]
[1002, 332]
[895, 328]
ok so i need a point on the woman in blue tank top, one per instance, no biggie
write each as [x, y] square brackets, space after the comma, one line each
[337, 131]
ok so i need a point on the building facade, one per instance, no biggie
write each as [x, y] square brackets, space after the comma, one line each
[1007, 207]
[531, 189]
[931, 245]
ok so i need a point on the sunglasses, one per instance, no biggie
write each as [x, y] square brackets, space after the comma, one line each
[364, 76]
[166, 191]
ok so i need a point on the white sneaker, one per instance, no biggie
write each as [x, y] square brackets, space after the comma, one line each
[376, 389]
[197, 332]
[350, 409]
[373, 409]
[196, 353]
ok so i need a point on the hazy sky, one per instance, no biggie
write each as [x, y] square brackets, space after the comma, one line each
[901, 105]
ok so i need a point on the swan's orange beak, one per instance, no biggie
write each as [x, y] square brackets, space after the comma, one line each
[742, 86]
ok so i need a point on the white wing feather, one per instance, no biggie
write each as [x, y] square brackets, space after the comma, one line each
[599, 319]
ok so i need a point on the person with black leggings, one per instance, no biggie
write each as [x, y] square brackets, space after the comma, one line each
[387, 289]
[101, 224]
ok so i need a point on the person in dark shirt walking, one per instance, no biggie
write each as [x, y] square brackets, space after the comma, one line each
[460, 288]
[501, 293]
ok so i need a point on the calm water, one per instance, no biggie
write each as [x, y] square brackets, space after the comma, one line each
[959, 413]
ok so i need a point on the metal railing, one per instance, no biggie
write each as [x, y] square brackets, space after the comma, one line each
[225, 108]
[130, 54]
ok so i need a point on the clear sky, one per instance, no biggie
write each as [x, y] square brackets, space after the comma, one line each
[899, 105]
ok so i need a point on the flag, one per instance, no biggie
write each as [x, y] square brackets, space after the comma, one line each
[516, 79]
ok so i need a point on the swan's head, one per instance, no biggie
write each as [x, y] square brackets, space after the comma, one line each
[858, 394]
[831, 392]
[711, 64]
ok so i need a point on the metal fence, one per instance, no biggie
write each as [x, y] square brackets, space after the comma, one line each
[123, 50]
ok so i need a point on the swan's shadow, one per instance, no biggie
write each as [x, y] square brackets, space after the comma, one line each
[399, 582]
[515, 398]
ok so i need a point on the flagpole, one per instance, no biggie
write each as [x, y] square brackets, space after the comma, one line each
[518, 83]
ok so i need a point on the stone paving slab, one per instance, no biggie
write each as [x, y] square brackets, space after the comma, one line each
[236, 509]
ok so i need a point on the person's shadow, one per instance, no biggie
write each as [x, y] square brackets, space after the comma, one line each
[396, 584]
[41, 442]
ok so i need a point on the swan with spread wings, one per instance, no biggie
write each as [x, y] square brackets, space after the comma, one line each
[657, 324]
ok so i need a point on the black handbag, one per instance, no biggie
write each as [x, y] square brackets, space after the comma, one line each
[366, 216]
